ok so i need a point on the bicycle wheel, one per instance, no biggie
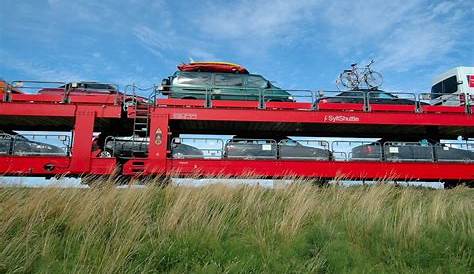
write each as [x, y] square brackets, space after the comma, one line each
[373, 79]
[348, 79]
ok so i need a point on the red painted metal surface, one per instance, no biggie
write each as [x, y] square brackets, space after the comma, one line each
[321, 117]
[50, 166]
[55, 110]
[86, 110]
[350, 170]
[33, 165]
[324, 169]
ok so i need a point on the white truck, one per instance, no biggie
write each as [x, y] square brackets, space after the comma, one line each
[454, 87]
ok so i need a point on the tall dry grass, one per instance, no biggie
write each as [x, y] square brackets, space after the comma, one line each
[222, 228]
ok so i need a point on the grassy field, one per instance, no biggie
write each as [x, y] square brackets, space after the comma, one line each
[237, 229]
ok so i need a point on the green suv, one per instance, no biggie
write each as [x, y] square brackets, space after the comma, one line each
[222, 86]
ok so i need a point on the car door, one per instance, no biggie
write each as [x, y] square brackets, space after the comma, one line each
[228, 86]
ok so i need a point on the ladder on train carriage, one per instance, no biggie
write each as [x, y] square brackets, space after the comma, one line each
[141, 122]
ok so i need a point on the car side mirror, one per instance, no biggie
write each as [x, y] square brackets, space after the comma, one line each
[177, 141]
[165, 82]
[165, 86]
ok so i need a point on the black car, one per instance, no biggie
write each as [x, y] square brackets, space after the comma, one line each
[423, 150]
[286, 148]
[372, 96]
[291, 149]
[251, 148]
[138, 146]
[449, 153]
[16, 144]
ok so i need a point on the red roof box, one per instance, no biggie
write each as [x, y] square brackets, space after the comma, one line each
[213, 67]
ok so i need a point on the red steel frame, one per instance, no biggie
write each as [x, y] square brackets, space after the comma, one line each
[84, 112]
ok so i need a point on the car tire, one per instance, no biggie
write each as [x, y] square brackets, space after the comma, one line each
[106, 154]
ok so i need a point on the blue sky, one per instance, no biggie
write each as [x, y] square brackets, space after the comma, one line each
[298, 44]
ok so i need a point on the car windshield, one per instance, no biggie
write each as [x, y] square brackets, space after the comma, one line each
[191, 78]
[289, 142]
[381, 95]
[349, 94]
[99, 86]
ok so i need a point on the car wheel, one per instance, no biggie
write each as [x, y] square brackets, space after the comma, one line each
[178, 155]
[105, 154]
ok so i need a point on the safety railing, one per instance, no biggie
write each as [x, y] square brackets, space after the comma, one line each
[125, 147]
[304, 149]
[407, 99]
[292, 149]
[363, 100]
[131, 96]
[356, 150]
[6, 143]
[62, 92]
[187, 147]
[408, 151]
[454, 151]
[251, 149]
[461, 101]
[35, 145]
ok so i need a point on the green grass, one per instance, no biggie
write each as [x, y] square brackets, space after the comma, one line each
[241, 229]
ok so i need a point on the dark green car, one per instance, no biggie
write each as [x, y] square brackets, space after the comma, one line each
[222, 86]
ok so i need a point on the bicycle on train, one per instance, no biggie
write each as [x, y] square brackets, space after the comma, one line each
[353, 78]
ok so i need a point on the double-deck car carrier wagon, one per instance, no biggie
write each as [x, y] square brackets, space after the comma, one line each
[156, 127]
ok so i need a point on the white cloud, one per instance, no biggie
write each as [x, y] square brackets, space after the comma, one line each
[151, 40]
[400, 34]
[255, 19]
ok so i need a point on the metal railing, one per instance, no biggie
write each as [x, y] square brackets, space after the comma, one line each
[408, 151]
[304, 149]
[315, 98]
[65, 89]
[447, 99]
[297, 149]
[454, 151]
[125, 147]
[187, 147]
[251, 149]
[357, 150]
[35, 145]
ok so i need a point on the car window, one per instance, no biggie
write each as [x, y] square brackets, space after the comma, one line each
[351, 94]
[189, 78]
[251, 141]
[450, 85]
[254, 81]
[381, 95]
[288, 142]
[99, 86]
[233, 80]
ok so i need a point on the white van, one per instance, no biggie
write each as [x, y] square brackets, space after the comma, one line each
[453, 87]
